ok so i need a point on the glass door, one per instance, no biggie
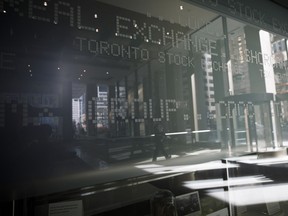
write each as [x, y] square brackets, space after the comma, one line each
[263, 123]
[251, 124]
[282, 107]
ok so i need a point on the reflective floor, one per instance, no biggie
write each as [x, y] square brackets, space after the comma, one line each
[238, 183]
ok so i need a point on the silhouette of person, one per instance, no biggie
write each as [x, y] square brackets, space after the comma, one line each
[159, 141]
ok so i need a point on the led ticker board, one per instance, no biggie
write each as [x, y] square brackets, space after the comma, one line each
[269, 16]
[95, 28]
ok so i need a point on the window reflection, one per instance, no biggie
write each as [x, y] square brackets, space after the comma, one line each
[101, 75]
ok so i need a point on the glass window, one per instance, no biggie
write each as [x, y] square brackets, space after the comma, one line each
[96, 82]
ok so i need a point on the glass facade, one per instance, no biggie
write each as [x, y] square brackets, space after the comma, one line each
[86, 85]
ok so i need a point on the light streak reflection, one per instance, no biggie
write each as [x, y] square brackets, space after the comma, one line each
[161, 169]
[236, 181]
[264, 161]
[252, 195]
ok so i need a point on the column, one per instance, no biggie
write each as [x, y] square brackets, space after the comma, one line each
[91, 113]
[67, 111]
